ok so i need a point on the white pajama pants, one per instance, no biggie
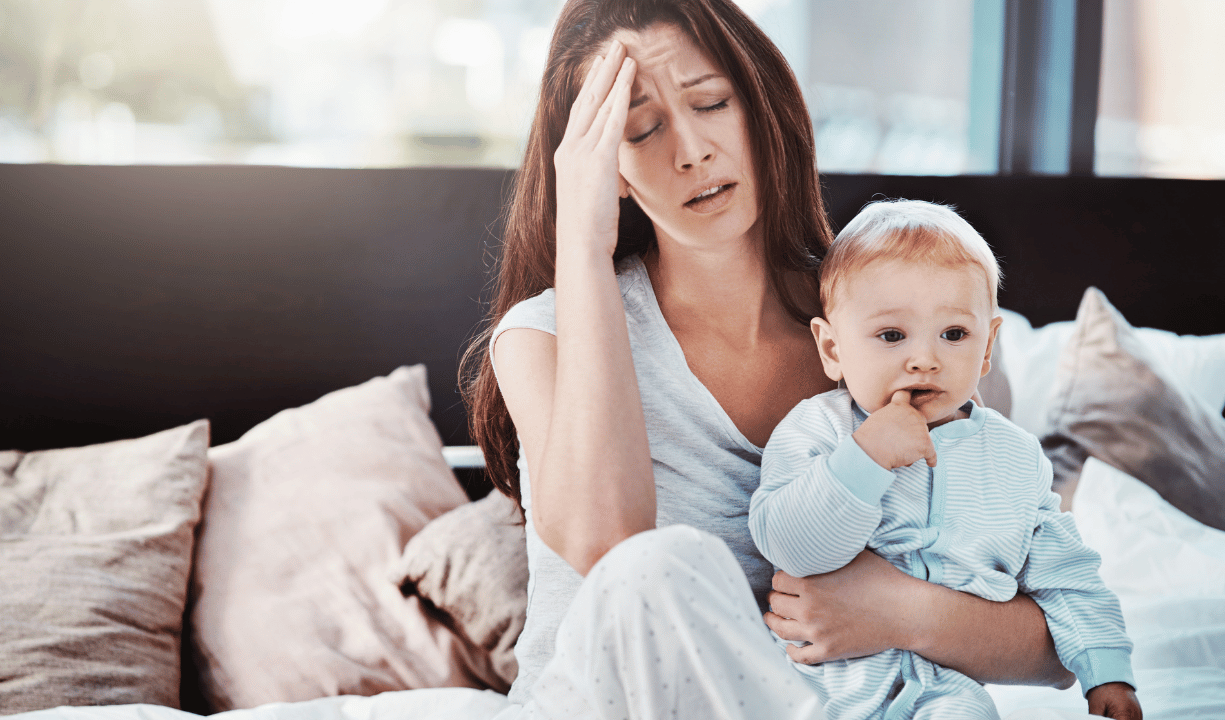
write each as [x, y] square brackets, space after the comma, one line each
[665, 626]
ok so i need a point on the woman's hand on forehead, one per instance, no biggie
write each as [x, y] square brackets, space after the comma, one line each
[588, 177]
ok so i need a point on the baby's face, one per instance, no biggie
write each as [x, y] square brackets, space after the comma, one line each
[897, 325]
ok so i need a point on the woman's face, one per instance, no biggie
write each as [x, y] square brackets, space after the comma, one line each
[685, 157]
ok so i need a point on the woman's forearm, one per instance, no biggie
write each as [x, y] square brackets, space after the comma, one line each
[596, 485]
[1005, 643]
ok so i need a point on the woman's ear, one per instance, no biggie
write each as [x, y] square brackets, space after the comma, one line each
[827, 346]
[991, 334]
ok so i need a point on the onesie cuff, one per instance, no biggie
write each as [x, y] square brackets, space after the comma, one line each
[859, 473]
[1098, 666]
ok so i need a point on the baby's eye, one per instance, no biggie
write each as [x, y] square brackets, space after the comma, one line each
[954, 334]
[892, 336]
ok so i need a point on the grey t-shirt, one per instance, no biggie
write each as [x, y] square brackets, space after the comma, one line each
[705, 468]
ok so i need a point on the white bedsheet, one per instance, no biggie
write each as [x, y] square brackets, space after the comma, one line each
[1168, 570]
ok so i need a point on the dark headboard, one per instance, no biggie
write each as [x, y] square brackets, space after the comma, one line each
[133, 299]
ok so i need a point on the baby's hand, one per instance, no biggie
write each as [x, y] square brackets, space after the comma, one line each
[1115, 700]
[896, 435]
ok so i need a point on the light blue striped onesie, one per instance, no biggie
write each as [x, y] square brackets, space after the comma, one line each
[983, 521]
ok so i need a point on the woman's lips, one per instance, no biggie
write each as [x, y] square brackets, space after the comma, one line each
[714, 201]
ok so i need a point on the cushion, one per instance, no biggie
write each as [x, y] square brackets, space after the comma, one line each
[1115, 401]
[471, 564]
[1029, 359]
[95, 554]
[1168, 569]
[306, 514]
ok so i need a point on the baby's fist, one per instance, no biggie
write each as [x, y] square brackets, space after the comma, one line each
[1114, 700]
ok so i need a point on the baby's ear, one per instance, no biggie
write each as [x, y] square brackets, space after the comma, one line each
[992, 333]
[827, 346]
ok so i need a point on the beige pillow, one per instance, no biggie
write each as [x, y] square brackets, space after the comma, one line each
[1113, 401]
[471, 564]
[307, 513]
[95, 552]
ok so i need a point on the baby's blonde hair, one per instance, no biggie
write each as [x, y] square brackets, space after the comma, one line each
[908, 230]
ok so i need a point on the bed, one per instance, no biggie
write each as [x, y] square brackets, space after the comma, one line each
[303, 312]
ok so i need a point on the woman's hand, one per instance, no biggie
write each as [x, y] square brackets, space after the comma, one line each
[842, 614]
[588, 179]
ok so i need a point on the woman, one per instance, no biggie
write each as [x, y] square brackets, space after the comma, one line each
[669, 198]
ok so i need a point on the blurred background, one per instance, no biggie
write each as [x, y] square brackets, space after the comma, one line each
[919, 87]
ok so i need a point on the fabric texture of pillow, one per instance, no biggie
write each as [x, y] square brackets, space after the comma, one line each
[306, 514]
[471, 564]
[95, 554]
[1029, 359]
[1113, 400]
[1168, 569]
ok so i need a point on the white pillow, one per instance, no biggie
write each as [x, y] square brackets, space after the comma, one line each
[1167, 569]
[1029, 357]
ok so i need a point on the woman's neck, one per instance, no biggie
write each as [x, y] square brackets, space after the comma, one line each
[725, 291]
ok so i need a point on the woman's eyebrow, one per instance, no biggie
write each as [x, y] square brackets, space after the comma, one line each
[698, 80]
[684, 86]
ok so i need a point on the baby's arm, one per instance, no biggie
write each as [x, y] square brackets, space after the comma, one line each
[1083, 615]
[819, 498]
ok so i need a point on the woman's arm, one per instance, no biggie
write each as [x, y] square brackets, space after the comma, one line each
[869, 606]
[574, 398]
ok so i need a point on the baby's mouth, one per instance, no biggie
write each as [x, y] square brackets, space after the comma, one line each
[921, 396]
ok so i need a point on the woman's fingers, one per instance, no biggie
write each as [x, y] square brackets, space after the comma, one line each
[595, 90]
[615, 110]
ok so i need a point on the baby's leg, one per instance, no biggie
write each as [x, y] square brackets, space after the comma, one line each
[857, 689]
[665, 626]
[949, 695]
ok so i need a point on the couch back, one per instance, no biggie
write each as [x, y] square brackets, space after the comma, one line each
[133, 299]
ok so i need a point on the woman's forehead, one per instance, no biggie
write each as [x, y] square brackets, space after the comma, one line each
[664, 52]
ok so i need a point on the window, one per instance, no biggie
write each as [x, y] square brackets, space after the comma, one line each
[1162, 105]
[894, 86]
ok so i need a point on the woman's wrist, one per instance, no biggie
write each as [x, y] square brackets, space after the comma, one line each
[916, 605]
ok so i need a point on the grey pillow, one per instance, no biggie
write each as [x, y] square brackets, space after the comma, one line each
[1112, 400]
[471, 566]
[95, 554]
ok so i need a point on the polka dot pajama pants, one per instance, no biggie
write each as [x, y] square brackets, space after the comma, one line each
[665, 626]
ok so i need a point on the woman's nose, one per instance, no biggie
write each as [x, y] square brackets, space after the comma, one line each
[692, 147]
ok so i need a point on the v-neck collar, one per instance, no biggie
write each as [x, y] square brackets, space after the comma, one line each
[635, 265]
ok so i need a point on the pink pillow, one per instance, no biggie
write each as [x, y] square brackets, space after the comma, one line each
[306, 514]
[95, 551]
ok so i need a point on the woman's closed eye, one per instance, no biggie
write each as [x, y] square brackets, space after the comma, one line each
[955, 334]
[716, 107]
[639, 138]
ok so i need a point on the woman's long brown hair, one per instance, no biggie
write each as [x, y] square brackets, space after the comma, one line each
[794, 225]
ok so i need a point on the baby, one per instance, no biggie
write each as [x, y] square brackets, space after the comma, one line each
[903, 461]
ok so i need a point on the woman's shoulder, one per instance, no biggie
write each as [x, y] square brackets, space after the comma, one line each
[539, 312]
[536, 313]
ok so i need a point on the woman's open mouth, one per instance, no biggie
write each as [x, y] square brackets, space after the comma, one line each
[711, 198]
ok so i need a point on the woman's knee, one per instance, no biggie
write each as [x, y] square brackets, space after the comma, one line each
[667, 560]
